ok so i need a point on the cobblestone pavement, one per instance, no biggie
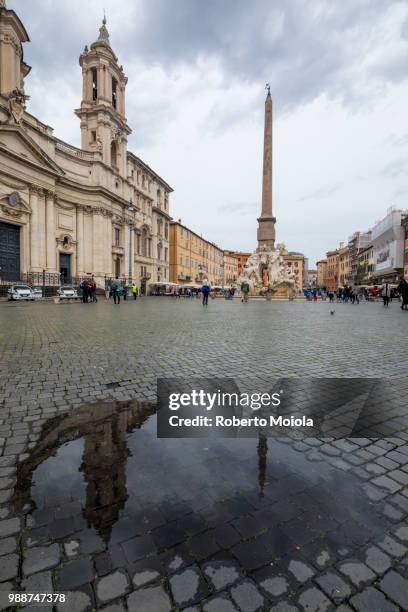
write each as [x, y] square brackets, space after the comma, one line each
[166, 525]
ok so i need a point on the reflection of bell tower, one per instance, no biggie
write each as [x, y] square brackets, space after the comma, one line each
[104, 467]
[102, 112]
[262, 459]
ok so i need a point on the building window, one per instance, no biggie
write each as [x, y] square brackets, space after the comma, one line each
[114, 93]
[117, 266]
[94, 84]
[138, 244]
[117, 237]
[144, 243]
[114, 154]
[149, 247]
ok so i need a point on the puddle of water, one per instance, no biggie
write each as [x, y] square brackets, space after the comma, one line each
[102, 471]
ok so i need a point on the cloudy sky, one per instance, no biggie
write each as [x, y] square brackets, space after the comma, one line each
[197, 71]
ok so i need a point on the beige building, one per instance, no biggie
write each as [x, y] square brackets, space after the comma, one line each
[194, 259]
[344, 265]
[95, 210]
[321, 271]
[231, 266]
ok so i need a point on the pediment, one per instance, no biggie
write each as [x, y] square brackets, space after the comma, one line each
[14, 140]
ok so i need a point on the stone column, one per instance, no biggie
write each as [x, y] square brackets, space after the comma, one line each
[267, 160]
[98, 244]
[50, 232]
[109, 242]
[34, 231]
[266, 222]
[42, 231]
[80, 268]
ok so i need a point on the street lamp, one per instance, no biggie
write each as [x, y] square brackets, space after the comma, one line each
[131, 209]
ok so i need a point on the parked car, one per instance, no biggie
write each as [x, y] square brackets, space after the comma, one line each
[68, 293]
[37, 292]
[20, 292]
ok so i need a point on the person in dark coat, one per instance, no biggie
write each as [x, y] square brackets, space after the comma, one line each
[403, 291]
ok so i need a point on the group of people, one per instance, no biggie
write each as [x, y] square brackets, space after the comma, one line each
[87, 290]
[118, 289]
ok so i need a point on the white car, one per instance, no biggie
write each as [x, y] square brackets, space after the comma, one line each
[68, 292]
[37, 292]
[20, 292]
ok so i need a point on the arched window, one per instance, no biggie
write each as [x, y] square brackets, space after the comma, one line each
[114, 93]
[94, 73]
[114, 154]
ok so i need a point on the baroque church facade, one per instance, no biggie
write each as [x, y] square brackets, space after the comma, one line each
[75, 212]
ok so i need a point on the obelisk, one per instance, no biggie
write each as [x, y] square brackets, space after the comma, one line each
[266, 222]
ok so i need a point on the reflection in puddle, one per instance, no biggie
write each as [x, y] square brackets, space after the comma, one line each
[101, 471]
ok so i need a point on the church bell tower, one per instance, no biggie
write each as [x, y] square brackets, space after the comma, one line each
[102, 113]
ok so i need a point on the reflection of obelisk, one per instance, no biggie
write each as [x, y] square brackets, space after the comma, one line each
[266, 222]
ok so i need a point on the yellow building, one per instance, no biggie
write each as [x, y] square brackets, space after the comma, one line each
[194, 259]
[231, 268]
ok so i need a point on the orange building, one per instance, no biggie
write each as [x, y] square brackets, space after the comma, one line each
[332, 270]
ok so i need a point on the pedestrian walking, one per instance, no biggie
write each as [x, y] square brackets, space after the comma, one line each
[245, 291]
[385, 294]
[205, 290]
[134, 291]
[116, 290]
[125, 291]
[354, 295]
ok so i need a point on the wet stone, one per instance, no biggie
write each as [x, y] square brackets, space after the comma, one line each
[112, 586]
[377, 560]
[402, 533]
[392, 547]
[301, 571]
[144, 577]
[371, 599]
[7, 545]
[115, 607]
[9, 527]
[188, 586]
[8, 567]
[247, 597]
[41, 558]
[38, 583]
[221, 574]
[284, 606]
[219, 604]
[80, 601]
[334, 586]
[357, 572]
[151, 599]
[396, 588]
[313, 600]
[275, 587]
[75, 574]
